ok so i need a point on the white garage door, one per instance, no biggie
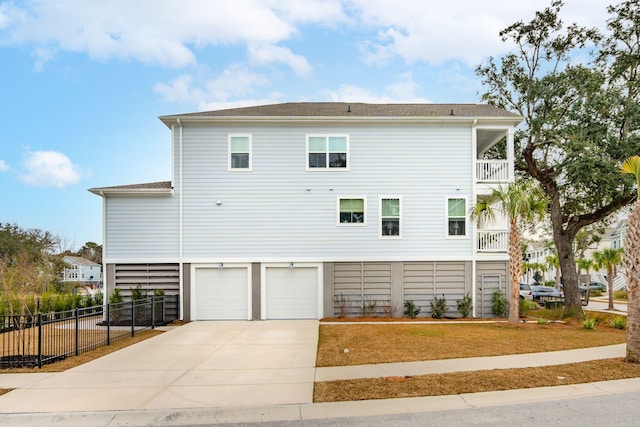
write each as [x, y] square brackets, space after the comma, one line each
[291, 293]
[222, 293]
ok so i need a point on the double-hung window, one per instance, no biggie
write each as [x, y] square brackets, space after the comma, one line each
[352, 210]
[327, 152]
[239, 152]
[456, 217]
[390, 217]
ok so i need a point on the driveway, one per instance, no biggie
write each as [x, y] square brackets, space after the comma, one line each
[200, 364]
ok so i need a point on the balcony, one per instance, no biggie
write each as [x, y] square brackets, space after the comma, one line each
[493, 241]
[492, 171]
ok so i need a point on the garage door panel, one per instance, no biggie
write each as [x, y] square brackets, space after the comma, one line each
[291, 293]
[221, 293]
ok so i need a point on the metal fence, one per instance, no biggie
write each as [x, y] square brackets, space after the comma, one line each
[35, 340]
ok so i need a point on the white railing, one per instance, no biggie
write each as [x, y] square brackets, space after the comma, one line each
[493, 240]
[492, 170]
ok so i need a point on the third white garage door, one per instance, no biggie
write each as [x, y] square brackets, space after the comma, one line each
[222, 293]
[291, 292]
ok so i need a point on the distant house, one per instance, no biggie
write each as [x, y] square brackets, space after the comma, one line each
[311, 210]
[81, 270]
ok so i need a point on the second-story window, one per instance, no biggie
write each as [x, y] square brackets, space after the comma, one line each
[456, 217]
[240, 152]
[351, 211]
[327, 152]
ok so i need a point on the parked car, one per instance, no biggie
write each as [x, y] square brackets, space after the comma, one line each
[595, 286]
[525, 291]
[539, 293]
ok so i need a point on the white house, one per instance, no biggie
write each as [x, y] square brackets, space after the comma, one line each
[81, 270]
[311, 210]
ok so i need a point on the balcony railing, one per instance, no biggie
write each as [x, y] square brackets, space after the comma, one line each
[492, 170]
[493, 240]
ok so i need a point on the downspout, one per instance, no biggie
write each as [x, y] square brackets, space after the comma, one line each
[474, 196]
[180, 220]
[105, 296]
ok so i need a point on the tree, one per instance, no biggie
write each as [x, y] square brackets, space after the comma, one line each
[91, 251]
[554, 262]
[580, 119]
[609, 259]
[631, 260]
[519, 202]
[584, 264]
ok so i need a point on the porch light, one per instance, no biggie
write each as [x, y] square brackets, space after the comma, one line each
[221, 265]
[290, 265]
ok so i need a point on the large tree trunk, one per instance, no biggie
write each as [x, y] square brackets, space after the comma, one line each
[515, 271]
[632, 265]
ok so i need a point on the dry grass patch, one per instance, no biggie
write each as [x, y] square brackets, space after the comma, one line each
[474, 382]
[387, 342]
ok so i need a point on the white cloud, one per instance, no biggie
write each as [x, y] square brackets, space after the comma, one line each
[3, 166]
[268, 54]
[437, 32]
[49, 169]
[401, 91]
[234, 82]
[161, 32]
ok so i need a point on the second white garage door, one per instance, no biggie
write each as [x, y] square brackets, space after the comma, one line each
[291, 293]
[222, 293]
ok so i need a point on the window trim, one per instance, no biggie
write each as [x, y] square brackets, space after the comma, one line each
[400, 215]
[327, 136]
[446, 218]
[229, 153]
[351, 224]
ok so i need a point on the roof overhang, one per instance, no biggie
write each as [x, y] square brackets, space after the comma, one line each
[163, 189]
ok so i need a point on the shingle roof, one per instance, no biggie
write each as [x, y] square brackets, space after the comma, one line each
[346, 109]
[81, 260]
[161, 186]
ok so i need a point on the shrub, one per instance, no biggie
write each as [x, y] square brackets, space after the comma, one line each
[342, 304]
[138, 293]
[115, 296]
[589, 323]
[621, 295]
[410, 309]
[465, 305]
[368, 306]
[98, 298]
[439, 307]
[542, 321]
[550, 283]
[619, 322]
[499, 303]
[526, 305]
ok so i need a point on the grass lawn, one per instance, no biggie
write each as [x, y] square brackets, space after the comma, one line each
[387, 342]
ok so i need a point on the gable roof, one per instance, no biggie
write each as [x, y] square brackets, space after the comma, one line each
[354, 110]
[151, 188]
[80, 260]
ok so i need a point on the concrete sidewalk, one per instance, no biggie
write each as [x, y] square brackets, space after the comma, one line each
[222, 372]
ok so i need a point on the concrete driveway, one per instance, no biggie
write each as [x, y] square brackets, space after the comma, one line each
[200, 364]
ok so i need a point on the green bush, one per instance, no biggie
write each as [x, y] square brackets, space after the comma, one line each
[138, 293]
[115, 296]
[621, 295]
[526, 305]
[542, 321]
[98, 298]
[619, 322]
[439, 307]
[499, 303]
[589, 323]
[465, 305]
[410, 309]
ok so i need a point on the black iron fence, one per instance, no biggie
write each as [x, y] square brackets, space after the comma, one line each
[35, 340]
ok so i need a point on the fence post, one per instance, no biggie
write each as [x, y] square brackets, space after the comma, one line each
[133, 318]
[153, 312]
[40, 340]
[108, 324]
[77, 313]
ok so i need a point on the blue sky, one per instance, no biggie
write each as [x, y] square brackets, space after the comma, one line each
[83, 82]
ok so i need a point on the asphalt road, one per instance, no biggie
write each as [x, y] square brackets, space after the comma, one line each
[614, 410]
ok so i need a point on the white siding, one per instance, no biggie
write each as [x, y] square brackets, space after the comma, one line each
[142, 227]
[280, 210]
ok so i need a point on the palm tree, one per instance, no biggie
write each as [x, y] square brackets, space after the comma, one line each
[554, 262]
[632, 266]
[584, 264]
[520, 201]
[609, 259]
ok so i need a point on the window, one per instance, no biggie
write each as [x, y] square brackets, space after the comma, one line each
[456, 217]
[351, 210]
[390, 214]
[327, 152]
[240, 152]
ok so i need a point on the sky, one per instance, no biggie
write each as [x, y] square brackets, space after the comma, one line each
[82, 83]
